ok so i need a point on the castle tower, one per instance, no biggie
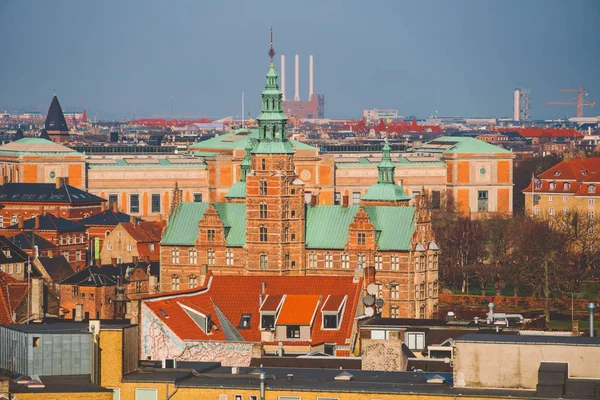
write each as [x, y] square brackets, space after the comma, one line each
[56, 125]
[385, 191]
[274, 197]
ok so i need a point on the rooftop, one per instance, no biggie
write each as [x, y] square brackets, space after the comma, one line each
[36, 146]
[45, 193]
[530, 339]
[460, 145]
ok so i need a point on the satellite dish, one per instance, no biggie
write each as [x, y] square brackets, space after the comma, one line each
[369, 300]
[372, 289]
[379, 303]
[369, 312]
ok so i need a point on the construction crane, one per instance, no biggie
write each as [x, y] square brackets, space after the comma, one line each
[580, 100]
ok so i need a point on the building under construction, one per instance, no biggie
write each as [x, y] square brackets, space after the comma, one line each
[314, 107]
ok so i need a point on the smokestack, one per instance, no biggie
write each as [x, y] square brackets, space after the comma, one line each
[591, 308]
[297, 86]
[310, 78]
[283, 77]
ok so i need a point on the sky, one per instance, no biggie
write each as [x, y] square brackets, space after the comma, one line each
[150, 58]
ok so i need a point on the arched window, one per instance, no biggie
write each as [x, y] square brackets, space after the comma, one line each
[312, 260]
[394, 291]
[422, 311]
[262, 187]
[81, 238]
[106, 233]
[68, 239]
[263, 237]
[345, 260]
[174, 282]
[193, 281]
[210, 257]
[61, 240]
[286, 233]
[286, 261]
[264, 261]
[262, 210]
[328, 260]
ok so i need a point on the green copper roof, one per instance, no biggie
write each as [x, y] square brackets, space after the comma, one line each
[182, 229]
[395, 226]
[385, 191]
[460, 145]
[37, 147]
[233, 216]
[268, 146]
[238, 139]
[237, 191]
[327, 226]
[405, 162]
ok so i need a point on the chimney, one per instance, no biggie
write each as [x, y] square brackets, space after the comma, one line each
[78, 313]
[297, 80]
[20, 221]
[59, 182]
[283, 77]
[37, 299]
[49, 254]
[113, 261]
[147, 259]
[345, 200]
[36, 225]
[132, 219]
[313, 200]
[98, 262]
[263, 287]
[115, 207]
[310, 78]
[159, 217]
[134, 260]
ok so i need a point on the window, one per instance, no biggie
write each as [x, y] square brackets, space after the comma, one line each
[552, 185]
[106, 233]
[590, 202]
[264, 261]
[210, 257]
[11, 269]
[91, 295]
[197, 197]
[435, 261]
[193, 253]
[146, 394]
[422, 262]
[174, 256]
[536, 210]
[293, 332]
[395, 291]
[551, 211]
[262, 188]
[394, 312]
[590, 214]
[119, 233]
[193, 281]
[355, 198]
[210, 235]
[361, 239]
[395, 262]
[156, 203]
[337, 198]
[267, 321]
[330, 321]
[19, 268]
[286, 233]
[565, 199]
[312, 260]
[379, 334]
[482, 200]
[430, 289]
[129, 247]
[422, 311]
[109, 247]
[174, 282]
[139, 286]
[263, 237]
[379, 290]
[550, 199]
[286, 261]
[66, 255]
[565, 210]
[416, 292]
[592, 189]
[361, 261]
[82, 295]
[77, 255]
[229, 256]
[567, 186]
[263, 164]
[262, 210]
[286, 210]
[430, 261]
[119, 260]
[134, 203]
[151, 246]
[422, 287]
[378, 261]
[245, 321]
[75, 291]
[415, 340]
[345, 260]
[113, 199]
[435, 289]
[328, 260]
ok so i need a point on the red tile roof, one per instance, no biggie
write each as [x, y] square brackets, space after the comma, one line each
[574, 172]
[12, 294]
[238, 295]
[298, 309]
[333, 302]
[144, 232]
[272, 302]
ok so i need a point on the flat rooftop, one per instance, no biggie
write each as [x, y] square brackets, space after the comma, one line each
[529, 339]
[65, 326]
[60, 384]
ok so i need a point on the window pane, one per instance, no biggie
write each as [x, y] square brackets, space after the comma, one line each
[134, 201]
[156, 203]
[197, 197]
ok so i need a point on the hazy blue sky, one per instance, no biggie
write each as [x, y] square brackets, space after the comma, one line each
[457, 57]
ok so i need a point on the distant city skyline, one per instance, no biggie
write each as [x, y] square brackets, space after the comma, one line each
[189, 58]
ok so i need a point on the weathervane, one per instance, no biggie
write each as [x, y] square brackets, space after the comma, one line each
[271, 50]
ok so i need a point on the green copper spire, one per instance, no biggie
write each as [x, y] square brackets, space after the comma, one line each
[386, 167]
[272, 122]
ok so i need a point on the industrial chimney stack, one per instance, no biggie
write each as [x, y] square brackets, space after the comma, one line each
[283, 77]
[297, 80]
[310, 78]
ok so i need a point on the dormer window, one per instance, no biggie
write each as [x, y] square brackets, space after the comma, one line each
[567, 186]
[330, 321]
[245, 321]
[332, 311]
[557, 173]
[552, 185]
[592, 189]
[267, 322]
[202, 320]
[7, 253]
[583, 172]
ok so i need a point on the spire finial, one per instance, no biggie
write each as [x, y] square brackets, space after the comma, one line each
[271, 50]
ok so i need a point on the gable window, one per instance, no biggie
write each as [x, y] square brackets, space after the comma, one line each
[567, 186]
[345, 260]
[210, 235]
[552, 185]
[134, 203]
[210, 257]
[361, 239]
[415, 340]
[592, 189]
[193, 256]
[262, 187]
[378, 261]
[245, 321]
[174, 282]
[355, 198]
[174, 256]
[395, 291]
[395, 262]
[263, 210]
[75, 291]
[328, 260]
[550, 199]
[263, 164]
[312, 260]
[13, 219]
[156, 203]
[264, 261]
[286, 261]
[267, 321]
[229, 256]
[193, 281]
[293, 332]
[263, 237]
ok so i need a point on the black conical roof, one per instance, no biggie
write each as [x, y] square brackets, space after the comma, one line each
[44, 134]
[19, 134]
[55, 120]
